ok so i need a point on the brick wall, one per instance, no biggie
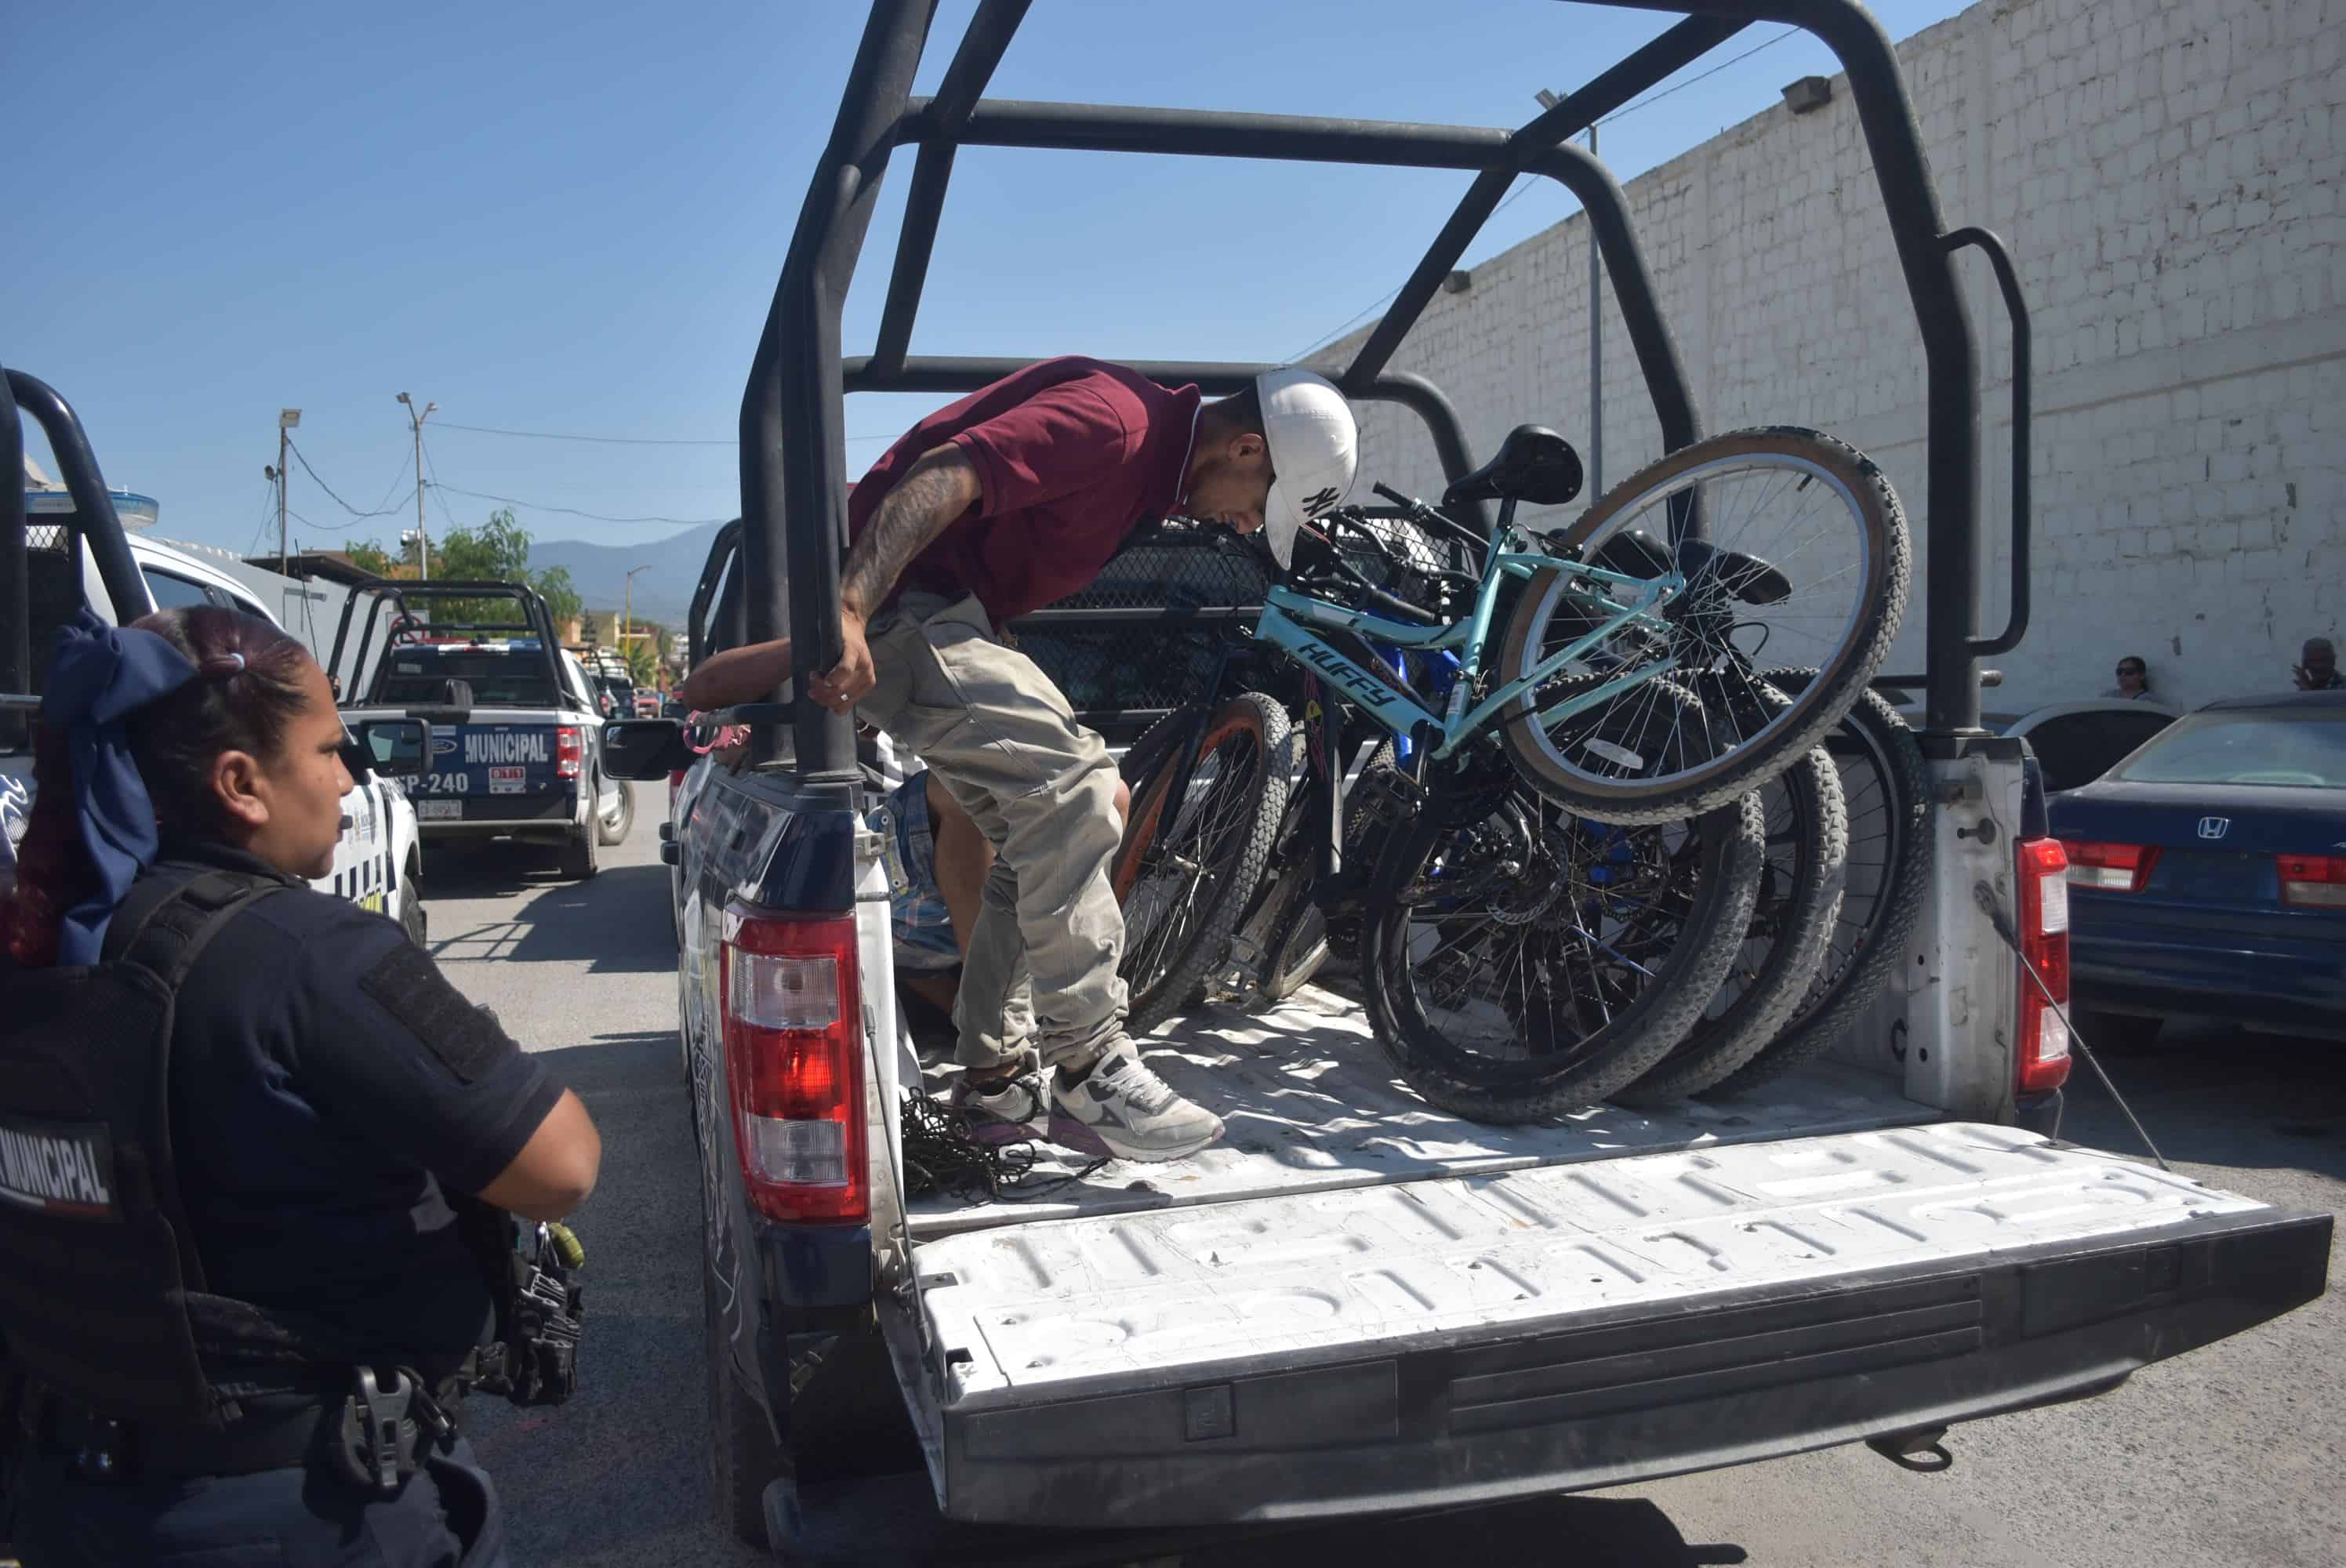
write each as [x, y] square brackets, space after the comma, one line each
[2167, 173]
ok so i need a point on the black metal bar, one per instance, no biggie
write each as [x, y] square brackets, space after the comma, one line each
[722, 552]
[1643, 67]
[949, 372]
[1202, 133]
[1220, 133]
[95, 518]
[1473, 210]
[1911, 204]
[940, 123]
[2007, 280]
[792, 428]
[16, 567]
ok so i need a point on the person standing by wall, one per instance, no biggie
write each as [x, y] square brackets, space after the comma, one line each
[2133, 679]
[2317, 667]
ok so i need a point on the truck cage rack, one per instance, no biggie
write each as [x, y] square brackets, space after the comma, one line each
[399, 598]
[793, 425]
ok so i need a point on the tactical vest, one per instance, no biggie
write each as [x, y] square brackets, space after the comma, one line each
[102, 1296]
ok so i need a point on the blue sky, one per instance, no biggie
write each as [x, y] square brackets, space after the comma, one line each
[564, 219]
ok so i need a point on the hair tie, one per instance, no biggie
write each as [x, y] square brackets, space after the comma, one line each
[225, 664]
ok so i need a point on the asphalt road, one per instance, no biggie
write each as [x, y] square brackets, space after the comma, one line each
[2231, 1455]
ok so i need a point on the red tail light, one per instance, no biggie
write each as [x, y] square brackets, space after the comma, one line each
[2113, 868]
[2314, 882]
[567, 751]
[794, 1058]
[2043, 870]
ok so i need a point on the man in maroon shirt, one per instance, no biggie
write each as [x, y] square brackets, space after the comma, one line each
[1004, 502]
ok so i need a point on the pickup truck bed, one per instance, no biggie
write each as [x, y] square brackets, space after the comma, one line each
[1312, 1108]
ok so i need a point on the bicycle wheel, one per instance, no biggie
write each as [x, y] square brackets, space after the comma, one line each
[1891, 851]
[1529, 964]
[1800, 885]
[1801, 550]
[1185, 870]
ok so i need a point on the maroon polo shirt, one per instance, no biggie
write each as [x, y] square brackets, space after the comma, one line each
[1071, 455]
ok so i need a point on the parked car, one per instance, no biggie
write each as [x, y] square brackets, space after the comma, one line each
[378, 860]
[2074, 742]
[2207, 872]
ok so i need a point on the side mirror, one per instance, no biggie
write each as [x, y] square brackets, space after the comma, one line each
[396, 748]
[644, 748]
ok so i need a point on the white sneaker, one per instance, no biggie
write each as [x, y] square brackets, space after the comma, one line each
[1124, 1110]
[1016, 1110]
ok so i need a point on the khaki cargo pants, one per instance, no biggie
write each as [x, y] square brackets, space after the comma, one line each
[1041, 968]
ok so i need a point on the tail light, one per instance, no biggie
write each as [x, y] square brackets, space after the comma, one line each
[2044, 877]
[567, 751]
[794, 1059]
[2314, 882]
[2112, 868]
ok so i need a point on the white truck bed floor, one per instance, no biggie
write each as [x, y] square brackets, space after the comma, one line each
[1310, 1105]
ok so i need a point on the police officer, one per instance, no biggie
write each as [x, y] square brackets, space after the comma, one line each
[239, 1121]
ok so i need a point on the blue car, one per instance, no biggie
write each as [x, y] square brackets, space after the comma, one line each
[2207, 872]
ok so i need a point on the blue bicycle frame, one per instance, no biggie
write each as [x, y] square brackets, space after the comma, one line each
[1289, 617]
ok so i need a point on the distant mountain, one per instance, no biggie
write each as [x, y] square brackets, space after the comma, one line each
[663, 593]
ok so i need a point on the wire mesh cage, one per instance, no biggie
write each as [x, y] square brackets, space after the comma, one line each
[1148, 633]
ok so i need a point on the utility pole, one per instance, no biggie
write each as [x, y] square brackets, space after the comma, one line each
[423, 538]
[287, 418]
[627, 616]
[1596, 354]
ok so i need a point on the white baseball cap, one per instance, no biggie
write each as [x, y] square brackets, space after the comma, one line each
[1314, 452]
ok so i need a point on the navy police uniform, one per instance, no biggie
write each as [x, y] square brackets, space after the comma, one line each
[328, 1093]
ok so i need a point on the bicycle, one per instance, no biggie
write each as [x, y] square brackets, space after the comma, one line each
[1592, 718]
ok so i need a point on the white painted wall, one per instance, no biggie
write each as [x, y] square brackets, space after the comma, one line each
[2167, 173]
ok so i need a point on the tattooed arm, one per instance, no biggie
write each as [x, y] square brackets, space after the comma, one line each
[935, 490]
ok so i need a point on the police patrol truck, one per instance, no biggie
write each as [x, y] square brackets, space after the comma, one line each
[516, 725]
[379, 860]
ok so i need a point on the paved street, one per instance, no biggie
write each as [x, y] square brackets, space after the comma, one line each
[2228, 1456]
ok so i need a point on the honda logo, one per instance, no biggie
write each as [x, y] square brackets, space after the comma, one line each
[2214, 827]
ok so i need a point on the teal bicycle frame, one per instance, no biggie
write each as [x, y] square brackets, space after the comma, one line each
[1289, 617]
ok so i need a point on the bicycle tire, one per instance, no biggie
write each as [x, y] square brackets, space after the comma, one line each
[1726, 879]
[1239, 813]
[1792, 926]
[1734, 770]
[1882, 780]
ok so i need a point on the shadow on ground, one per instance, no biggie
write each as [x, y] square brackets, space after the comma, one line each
[2210, 1094]
[619, 1474]
[616, 923]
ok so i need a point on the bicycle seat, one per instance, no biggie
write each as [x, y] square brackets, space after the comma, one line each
[1534, 464]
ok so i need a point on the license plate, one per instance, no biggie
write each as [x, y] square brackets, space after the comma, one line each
[508, 780]
[439, 811]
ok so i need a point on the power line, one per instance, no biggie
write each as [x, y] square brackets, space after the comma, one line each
[599, 440]
[573, 511]
[382, 507]
[438, 499]
[1529, 185]
[621, 439]
[1681, 86]
[328, 488]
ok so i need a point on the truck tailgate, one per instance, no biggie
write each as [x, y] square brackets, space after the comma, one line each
[478, 766]
[1469, 1338]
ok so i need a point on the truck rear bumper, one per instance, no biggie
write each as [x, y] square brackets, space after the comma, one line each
[1478, 1338]
[1773, 1372]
